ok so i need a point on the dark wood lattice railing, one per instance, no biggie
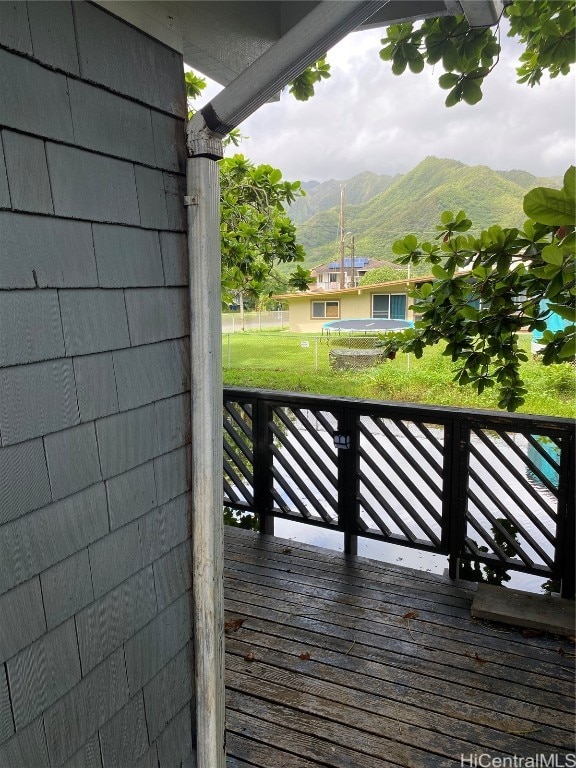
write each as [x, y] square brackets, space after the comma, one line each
[477, 486]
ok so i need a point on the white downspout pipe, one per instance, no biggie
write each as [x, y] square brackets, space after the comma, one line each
[206, 415]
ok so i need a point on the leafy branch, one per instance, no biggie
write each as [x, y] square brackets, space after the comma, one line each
[487, 289]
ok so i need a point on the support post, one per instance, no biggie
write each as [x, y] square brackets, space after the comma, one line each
[203, 214]
[262, 468]
[566, 528]
[348, 479]
[454, 486]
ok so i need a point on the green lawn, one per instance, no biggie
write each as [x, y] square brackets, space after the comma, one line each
[278, 360]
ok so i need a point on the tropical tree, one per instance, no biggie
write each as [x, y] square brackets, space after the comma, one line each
[491, 287]
[256, 232]
[545, 29]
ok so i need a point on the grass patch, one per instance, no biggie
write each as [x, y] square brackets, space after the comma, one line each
[281, 361]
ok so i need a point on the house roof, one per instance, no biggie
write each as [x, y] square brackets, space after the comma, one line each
[223, 37]
[331, 295]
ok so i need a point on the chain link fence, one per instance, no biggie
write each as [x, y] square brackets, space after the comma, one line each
[297, 351]
[233, 322]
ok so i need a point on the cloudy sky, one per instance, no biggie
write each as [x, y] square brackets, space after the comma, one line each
[366, 118]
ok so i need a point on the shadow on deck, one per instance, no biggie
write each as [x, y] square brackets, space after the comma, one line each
[354, 663]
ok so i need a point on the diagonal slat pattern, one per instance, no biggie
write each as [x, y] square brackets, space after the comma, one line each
[401, 480]
[516, 522]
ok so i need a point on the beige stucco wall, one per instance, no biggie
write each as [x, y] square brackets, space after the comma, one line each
[353, 305]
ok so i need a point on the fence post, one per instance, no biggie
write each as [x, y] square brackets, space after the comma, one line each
[348, 479]
[262, 465]
[565, 530]
[454, 492]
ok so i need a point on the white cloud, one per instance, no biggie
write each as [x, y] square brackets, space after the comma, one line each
[365, 118]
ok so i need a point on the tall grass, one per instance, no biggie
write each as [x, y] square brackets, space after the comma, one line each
[278, 361]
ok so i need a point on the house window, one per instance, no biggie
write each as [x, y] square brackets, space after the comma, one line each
[328, 309]
[389, 306]
[334, 277]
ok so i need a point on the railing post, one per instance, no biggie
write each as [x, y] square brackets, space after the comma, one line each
[262, 465]
[348, 479]
[454, 488]
[566, 529]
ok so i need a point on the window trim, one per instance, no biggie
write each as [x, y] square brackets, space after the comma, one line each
[389, 295]
[324, 302]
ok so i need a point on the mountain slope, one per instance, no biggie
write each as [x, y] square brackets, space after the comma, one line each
[414, 202]
[321, 196]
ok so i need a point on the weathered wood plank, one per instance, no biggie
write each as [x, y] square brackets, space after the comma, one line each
[269, 552]
[334, 744]
[336, 652]
[388, 617]
[261, 755]
[387, 719]
[374, 688]
[483, 724]
[425, 660]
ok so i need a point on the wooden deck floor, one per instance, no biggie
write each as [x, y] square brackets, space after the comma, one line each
[358, 664]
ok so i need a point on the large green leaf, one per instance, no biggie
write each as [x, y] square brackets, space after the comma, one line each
[551, 206]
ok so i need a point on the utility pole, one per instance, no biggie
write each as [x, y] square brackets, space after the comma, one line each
[342, 246]
[353, 281]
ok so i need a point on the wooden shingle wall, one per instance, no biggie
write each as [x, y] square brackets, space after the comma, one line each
[95, 616]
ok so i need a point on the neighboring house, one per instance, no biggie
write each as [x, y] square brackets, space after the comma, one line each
[309, 310]
[328, 276]
[102, 501]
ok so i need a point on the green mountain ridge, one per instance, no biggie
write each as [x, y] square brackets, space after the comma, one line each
[412, 203]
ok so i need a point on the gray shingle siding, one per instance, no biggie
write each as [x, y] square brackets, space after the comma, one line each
[30, 327]
[167, 693]
[6, 723]
[93, 407]
[172, 473]
[110, 124]
[43, 538]
[121, 58]
[94, 187]
[175, 743]
[95, 386]
[114, 558]
[34, 99]
[74, 718]
[157, 314]
[24, 484]
[149, 373]
[107, 623]
[36, 400]
[168, 132]
[165, 527]
[43, 672]
[72, 457]
[159, 641]
[126, 440]
[27, 748]
[53, 36]
[22, 618]
[174, 258]
[88, 756]
[27, 173]
[173, 574]
[124, 738]
[131, 494]
[127, 257]
[43, 252]
[93, 321]
[4, 191]
[66, 588]
[14, 30]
